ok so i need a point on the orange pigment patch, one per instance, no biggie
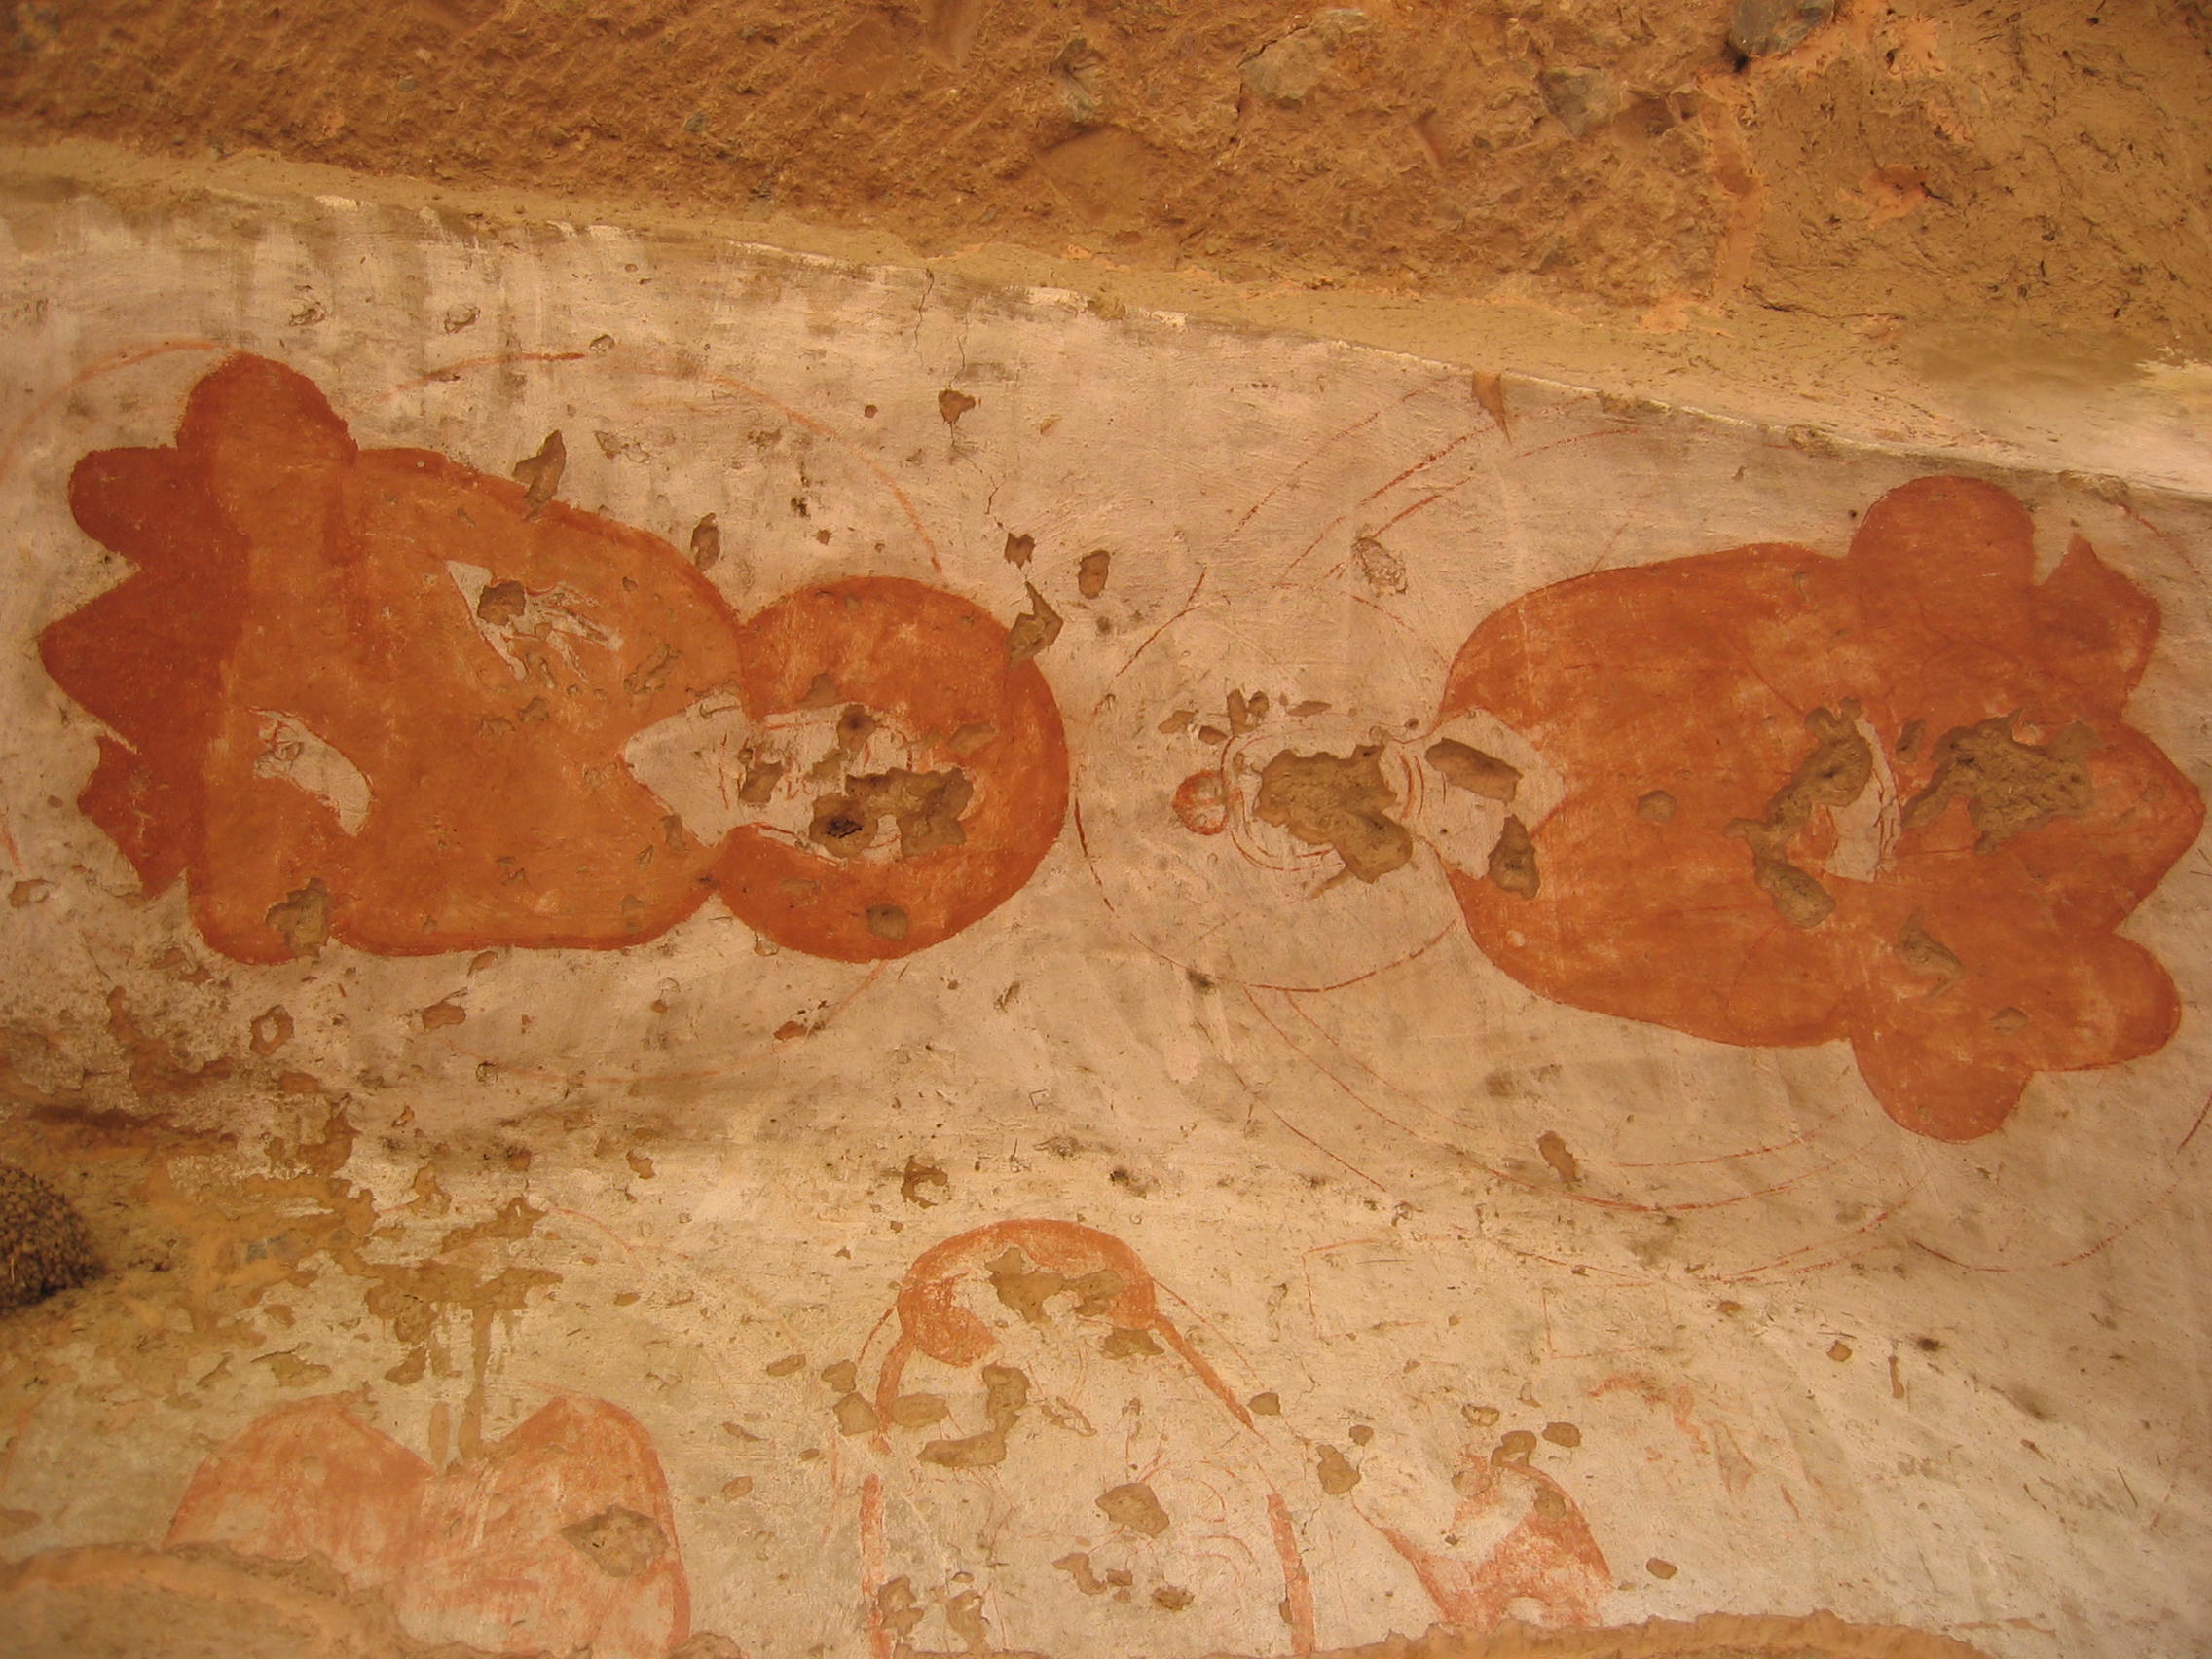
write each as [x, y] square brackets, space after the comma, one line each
[560, 1537]
[378, 697]
[1904, 807]
[993, 749]
[1546, 1554]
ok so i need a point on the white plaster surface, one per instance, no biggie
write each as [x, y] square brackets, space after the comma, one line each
[1812, 1360]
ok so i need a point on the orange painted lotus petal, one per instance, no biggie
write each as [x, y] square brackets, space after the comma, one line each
[1934, 1091]
[129, 659]
[154, 508]
[1953, 559]
[1670, 629]
[557, 1538]
[270, 447]
[146, 657]
[1947, 1055]
[2089, 872]
[2095, 626]
[309, 1480]
[936, 665]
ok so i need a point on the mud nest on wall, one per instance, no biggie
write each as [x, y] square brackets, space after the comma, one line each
[44, 1247]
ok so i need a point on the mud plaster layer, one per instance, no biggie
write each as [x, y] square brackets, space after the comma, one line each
[2004, 203]
[1934, 159]
[1716, 1636]
[1989, 386]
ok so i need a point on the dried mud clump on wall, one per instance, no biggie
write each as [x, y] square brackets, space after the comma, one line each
[44, 1247]
[2044, 160]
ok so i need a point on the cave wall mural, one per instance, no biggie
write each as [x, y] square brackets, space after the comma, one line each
[734, 954]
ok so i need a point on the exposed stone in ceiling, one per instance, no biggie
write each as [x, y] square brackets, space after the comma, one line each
[1900, 165]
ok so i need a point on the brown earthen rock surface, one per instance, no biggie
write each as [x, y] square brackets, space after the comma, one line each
[1903, 164]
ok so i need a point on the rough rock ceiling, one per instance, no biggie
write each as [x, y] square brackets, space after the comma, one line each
[1904, 165]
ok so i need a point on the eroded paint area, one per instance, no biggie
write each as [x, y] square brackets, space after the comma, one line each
[556, 1538]
[896, 856]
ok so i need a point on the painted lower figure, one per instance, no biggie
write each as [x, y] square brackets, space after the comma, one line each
[1055, 1467]
[556, 1538]
[1514, 1545]
[376, 696]
[1059, 1469]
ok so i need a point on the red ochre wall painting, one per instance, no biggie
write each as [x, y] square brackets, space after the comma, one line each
[557, 1538]
[1042, 1424]
[1047, 1462]
[374, 696]
[1890, 797]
